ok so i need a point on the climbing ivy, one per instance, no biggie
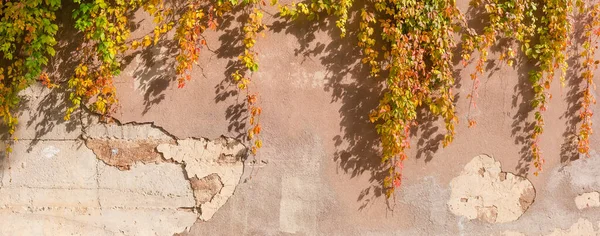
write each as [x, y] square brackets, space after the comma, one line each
[410, 43]
[27, 31]
[416, 39]
[590, 35]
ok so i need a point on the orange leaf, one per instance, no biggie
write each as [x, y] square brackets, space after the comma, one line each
[256, 129]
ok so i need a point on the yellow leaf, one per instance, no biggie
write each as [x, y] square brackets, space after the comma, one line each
[147, 41]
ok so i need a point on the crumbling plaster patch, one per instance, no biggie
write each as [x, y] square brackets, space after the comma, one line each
[123, 145]
[202, 158]
[206, 188]
[482, 191]
[73, 193]
[124, 153]
[213, 168]
[87, 177]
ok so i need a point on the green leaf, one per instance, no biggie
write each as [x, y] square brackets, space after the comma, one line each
[51, 51]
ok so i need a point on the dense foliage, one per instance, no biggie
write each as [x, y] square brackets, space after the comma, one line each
[27, 31]
[409, 42]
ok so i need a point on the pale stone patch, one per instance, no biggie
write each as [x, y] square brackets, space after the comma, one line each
[49, 151]
[112, 181]
[75, 194]
[213, 168]
[94, 221]
[482, 191]
[585, 200]
[203, 158]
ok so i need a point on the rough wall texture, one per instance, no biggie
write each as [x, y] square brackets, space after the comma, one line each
[169, 166]
[112, 179]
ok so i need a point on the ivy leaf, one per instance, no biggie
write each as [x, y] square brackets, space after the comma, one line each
[51, 51]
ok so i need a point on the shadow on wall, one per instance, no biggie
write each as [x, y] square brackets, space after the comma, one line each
[230, 48]
[568, 149]
[357, 147]
[155, 71]
[45, 107]
[155, 65]
[521, 126]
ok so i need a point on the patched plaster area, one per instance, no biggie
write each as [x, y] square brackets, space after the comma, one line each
[213, 168]
[87, 177]
[123, 145]
[202, 159]
[73, 193]
[482, 191]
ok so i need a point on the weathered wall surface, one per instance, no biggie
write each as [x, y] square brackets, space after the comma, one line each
[174, 163]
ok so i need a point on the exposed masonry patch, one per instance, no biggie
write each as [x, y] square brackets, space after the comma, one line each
[123, 145]
[124, 153]
[203, 158]
[482, 191]
[206, 188]
[585, 200]
[213, 168]
[83, 177]
[73, 193]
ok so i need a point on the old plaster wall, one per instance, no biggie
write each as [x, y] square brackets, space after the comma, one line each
[318, 172]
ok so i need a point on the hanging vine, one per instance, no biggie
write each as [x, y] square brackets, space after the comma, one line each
[543, 30]
[27, 37]
[410, 42]
[416, 52]
[512, 20]
[591, 34]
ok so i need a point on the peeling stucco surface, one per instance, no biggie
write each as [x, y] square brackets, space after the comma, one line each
[206, 188]
[482, 191]
[75, 193]
[124, 153]
[202, 158]
[317, 173]
[123, 145]
[106, 179]
[213, 167]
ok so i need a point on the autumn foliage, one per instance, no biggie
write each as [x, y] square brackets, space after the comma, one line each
[407, 43]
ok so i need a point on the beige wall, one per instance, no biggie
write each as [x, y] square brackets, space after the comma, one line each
[318, 172]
